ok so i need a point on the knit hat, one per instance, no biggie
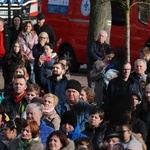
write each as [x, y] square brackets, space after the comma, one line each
[69, 117]
[40, 16]
[74, 84]
[38, 100]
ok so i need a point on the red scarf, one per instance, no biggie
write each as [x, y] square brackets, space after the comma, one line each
[18, 98]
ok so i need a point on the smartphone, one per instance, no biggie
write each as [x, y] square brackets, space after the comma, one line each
[47, 58]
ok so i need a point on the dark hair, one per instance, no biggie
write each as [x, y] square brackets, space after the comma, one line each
[62, 65]
[16, 16]
[33, 127]
[97, 110]
[50, 45]
[60, 135]
[109, 50]
[15, 124]
[82, 140]
[67, 61]
[2, 112]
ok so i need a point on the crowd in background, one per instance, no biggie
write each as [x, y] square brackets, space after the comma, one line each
[44, 108]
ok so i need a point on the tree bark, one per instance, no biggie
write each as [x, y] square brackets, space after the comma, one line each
[99, 15]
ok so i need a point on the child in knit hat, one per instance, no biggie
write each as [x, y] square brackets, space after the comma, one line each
[70, 127]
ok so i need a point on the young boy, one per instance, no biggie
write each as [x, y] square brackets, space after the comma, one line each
[32, 91]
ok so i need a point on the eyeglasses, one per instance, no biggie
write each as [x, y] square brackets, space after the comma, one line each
[42, 37]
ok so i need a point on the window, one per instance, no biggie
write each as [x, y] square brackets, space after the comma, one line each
[144, 12]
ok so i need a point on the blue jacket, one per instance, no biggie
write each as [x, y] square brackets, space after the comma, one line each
[82, 111]
[50, 85]
[45, 131]
[75, 134]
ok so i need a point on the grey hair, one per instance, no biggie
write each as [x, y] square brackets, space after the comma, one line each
[137, 60]
[38, 107]
[103, 31]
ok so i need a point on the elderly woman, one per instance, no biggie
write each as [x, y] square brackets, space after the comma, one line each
[49, 111]
[38, 50]
[29, 138]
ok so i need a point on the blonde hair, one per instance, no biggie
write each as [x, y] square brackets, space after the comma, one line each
[54, 97]
[45, 34]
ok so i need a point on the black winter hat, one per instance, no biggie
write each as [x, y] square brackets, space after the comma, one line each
[74, 84]
[40, 16]
[69, 117]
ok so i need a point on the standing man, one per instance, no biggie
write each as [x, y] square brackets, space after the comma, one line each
[96, 51]
[13, 103]
[140, 67]
[117, 94]
[42, 27]
[56, 84]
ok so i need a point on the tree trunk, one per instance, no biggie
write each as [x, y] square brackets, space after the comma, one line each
[99, 15]
[128, 29]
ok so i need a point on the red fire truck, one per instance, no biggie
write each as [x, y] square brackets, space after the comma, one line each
[27, 9]
[70, 21]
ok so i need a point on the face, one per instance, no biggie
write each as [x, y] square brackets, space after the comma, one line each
[30, 95]
[140, 68]
[40, 22]
[126, 71]
[67, 128]
[28, 28]
[48, 51]
[9, 134]
[19, 86]
[26, 133]
[0, 117]
[17, 21]
[43, 39]
[57, 69]
[55, 143]
[109, 57]
[111, 142]
[134, 100]
[16, 48]
[147, 93]
[95, 120]
[49, 103]
[33, 114]
[102, 37]
[72, 96]
[125, 133]
[83, 96]
[19, 71]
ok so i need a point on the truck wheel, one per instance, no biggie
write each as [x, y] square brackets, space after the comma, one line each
[68, 53]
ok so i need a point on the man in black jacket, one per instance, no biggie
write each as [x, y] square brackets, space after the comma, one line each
[118, 91]
[42, 27]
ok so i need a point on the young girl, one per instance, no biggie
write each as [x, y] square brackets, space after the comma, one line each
[13, 59]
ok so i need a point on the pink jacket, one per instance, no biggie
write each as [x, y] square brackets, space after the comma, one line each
[28, 40]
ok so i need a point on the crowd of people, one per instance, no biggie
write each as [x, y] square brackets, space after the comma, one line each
[44, 108]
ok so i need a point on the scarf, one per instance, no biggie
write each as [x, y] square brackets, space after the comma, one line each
[18, 98]
[23, 144]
